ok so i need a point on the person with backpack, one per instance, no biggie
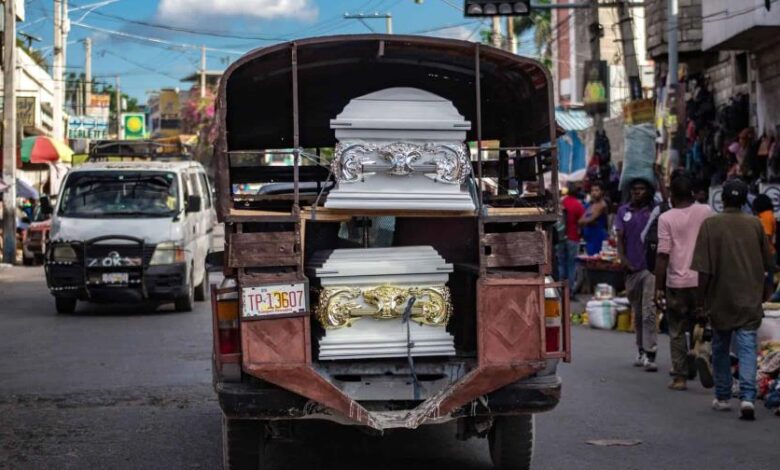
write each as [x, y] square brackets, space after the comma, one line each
[676, 283]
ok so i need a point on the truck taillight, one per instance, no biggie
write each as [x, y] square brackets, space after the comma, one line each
[552, 323]
[557, 321]
[227, 325]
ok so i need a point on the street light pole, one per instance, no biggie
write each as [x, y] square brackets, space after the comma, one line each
[9, 133]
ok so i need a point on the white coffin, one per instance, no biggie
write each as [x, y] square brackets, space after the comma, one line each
[368, 337]
[401, 148]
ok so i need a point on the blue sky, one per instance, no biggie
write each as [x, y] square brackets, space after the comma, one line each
[152, 44]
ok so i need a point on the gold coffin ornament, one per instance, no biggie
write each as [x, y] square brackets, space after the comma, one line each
[341, 306]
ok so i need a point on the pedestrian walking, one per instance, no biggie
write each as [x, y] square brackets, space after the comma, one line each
[765, 211]
[676, 283]
[594, 223]
[732, 258]
[573, 211]
[630, 222]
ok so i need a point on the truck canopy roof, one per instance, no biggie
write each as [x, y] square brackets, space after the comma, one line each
[256, 97]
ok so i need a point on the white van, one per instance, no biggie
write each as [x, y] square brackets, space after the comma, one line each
[131, 231]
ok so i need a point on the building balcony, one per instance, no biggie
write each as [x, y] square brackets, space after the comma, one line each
[739, 24]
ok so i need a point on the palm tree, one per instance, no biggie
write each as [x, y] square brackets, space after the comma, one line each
[540, 21]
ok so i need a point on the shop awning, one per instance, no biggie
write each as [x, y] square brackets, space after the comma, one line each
[573, 119]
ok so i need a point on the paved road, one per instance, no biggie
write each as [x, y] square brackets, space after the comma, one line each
[128, 388]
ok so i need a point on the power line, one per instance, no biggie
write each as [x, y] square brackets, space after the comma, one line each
[184, 46]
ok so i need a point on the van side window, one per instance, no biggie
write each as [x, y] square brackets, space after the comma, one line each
[204, 184]
[194, 185]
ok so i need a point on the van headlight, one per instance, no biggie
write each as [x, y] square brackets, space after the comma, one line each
[167, 253]
[63, 254]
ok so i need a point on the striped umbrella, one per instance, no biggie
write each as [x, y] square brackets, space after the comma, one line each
[42, 149]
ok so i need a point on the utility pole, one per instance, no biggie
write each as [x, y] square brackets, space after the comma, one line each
[9, 133]
[57, 69]
[495, 31]
[118, 98]
[202, 72]
[388, 17]
[596, 32]
[672, 85]
[510, 35]
[88, 74]
[629, 52]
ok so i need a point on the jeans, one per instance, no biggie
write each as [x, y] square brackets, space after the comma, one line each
[567, 261]
[640, 287]
[746, 350]
[680, 305]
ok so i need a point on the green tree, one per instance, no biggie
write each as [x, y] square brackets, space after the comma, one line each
[36, 55]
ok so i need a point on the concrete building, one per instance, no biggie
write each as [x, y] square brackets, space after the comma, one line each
[164, 112]
[729, 51]
[572, 48]
[746, 37]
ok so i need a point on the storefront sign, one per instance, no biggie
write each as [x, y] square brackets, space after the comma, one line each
[639, 112]
[99, 106]
[773, 191]
[25, 110]
[716, 202]
[133, 125]
[87, 127]
[596, 94]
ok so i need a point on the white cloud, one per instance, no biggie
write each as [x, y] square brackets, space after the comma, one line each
[202, 11]
[457, 32]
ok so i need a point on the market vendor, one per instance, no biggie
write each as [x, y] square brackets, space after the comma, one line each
[594, 222]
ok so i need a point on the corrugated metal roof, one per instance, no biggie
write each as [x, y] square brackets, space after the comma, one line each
[573, 119]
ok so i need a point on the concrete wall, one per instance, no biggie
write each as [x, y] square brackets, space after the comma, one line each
[689, 29]
[726, 19]
[767, 69]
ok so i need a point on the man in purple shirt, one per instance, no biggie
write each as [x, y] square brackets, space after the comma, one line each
[630, 222]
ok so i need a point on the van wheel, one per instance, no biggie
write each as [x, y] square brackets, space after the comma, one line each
[201, 290]
[511, 441]
[185, 303]
[243, 444]
[65, 304]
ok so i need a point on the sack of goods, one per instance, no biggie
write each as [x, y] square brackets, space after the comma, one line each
[602, 314]
[382, 302]
[639, 154]
[770, 325]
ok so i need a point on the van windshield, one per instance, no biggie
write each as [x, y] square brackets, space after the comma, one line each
[97, 194]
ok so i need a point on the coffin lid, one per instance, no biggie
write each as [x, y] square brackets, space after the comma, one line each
[400, 108]
[378, 262]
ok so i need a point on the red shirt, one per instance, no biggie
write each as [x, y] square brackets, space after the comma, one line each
[574, 212]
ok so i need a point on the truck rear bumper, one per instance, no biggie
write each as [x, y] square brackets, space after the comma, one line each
[245, 400]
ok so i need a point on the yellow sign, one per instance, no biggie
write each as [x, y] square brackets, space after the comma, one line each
[134, 125]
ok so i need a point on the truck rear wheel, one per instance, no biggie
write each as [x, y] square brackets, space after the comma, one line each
[243, 444]
[65, 304]
[511, 441]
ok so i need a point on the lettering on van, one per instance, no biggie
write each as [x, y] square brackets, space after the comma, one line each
[113, 259]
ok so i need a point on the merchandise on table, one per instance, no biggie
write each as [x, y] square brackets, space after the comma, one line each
[602, 314]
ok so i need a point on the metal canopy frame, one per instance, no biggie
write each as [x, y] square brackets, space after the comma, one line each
[251, 65]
